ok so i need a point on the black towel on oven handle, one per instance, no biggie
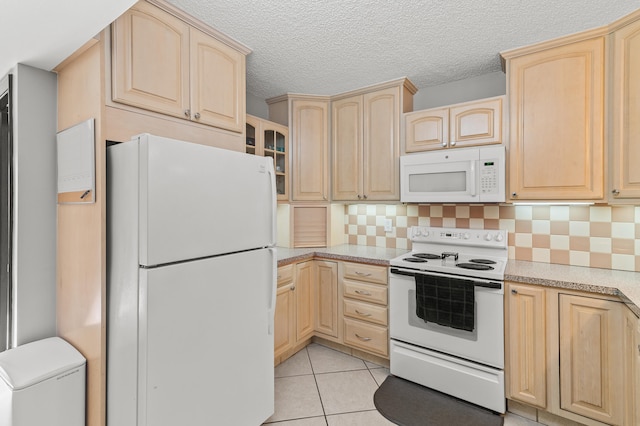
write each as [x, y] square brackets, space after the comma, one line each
[446, 301]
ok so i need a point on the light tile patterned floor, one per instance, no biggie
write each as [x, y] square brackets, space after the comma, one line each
[319, 386]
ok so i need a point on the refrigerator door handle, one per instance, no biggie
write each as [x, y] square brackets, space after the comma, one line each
[273, 287]
[274, 202]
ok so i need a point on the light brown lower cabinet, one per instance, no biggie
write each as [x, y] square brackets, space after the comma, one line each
[572, 354]
[343, 303]
[293, 318]
[326, 297]
[364, 305]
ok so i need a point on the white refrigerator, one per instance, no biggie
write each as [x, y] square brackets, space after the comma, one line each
[191, 263]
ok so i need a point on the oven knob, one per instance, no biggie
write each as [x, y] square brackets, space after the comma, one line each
[488, 237]
[416, 232]
[425, 233]
[499, 237]
[466, 236]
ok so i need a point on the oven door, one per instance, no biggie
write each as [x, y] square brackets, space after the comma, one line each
[485, 344]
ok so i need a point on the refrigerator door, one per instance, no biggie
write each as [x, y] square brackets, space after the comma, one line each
[205, 351]
[196, 201]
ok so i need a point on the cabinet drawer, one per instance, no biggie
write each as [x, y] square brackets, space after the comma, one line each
[285, 274]
[372, 338]
[365, 311]
[363, 291]
[358, 271]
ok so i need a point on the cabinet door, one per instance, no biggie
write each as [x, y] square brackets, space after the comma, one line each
[217, 83]
[626, 113]
[326, 296]
[276, 146]
[304, 300]
[284, 331]
[426, 130]
[591, 367]
[556, 118]
[347, 149]
[381, 151]
[476, 123]
[526, 344]
[150, 61]
[310, 150]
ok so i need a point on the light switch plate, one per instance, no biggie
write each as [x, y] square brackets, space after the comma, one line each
[388, 225]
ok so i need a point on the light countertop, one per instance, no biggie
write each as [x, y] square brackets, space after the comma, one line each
[624, 284]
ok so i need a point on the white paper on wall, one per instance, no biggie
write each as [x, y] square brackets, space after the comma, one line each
[76, 163]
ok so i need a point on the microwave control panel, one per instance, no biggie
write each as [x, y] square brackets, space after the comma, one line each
[489, 178]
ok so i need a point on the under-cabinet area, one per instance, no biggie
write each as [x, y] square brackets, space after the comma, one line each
[572, 334]
[342, 304]
[559, 341]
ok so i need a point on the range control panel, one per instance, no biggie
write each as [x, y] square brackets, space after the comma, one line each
[496, 238]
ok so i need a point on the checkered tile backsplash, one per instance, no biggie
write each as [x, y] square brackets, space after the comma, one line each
[596, 236]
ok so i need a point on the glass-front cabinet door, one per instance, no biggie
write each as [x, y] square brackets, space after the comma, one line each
[270, 140]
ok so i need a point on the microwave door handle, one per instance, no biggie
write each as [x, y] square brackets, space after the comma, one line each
[473, 178]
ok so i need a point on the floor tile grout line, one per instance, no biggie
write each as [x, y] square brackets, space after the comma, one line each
[324, 412]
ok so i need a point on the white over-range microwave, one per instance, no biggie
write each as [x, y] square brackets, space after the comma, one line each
[462, 175]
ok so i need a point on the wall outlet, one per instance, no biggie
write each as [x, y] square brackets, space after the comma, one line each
[388, 225]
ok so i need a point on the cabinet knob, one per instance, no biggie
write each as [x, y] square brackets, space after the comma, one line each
[197, 116]
[615, 192]
[359, 196]
[453, 143]
[514, 291]
[293, 287]
[364, 196]
[514, 194]
[187, 112]
[444, 143]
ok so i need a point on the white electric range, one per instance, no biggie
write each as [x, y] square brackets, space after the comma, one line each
[446, 313]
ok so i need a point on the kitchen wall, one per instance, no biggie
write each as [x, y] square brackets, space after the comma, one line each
[595, 236]
[469, 89]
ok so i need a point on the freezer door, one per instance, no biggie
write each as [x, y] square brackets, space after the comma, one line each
[198, 201]
[205, 348]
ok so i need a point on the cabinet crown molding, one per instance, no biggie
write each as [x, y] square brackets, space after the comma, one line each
[403, 81]
[200, 25]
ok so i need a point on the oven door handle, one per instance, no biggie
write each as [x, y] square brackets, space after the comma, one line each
[487, 284]
[399, 272]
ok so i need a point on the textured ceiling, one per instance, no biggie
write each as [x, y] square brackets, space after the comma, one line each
[330, 46]
[325, 46]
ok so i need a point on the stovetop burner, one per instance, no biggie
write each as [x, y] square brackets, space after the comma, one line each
[427, 256]
[477, 253]
[483, 261]
[414, 260]
[475, 266]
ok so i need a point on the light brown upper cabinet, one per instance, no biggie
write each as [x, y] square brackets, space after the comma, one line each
[308, 119]
[268, 139]
[466, 124]
[556, 118]
[163, 64]
[625, 111]
[366, 142]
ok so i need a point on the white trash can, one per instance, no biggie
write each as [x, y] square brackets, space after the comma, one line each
[42, 383]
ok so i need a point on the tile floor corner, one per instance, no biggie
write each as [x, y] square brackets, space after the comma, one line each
[320, 386]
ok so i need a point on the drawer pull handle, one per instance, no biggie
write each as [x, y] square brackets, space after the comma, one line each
[363, 274]
[364, 339]
[364, 314]
[364, 293]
